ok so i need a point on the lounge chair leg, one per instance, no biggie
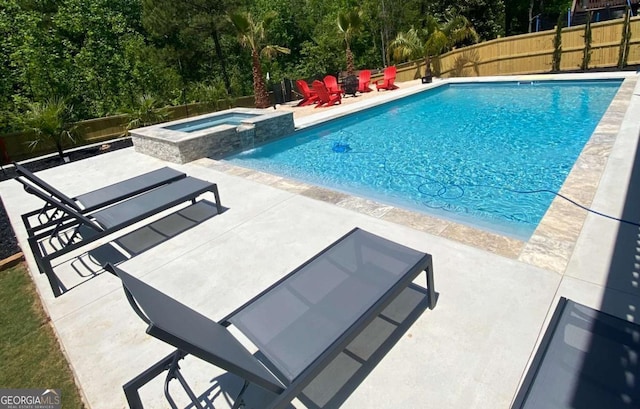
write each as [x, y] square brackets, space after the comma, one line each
[27, 224]
[131, 387]
[45, 267]
[174, 372]
[43, 213]
[431, 287]
[239, 401]
[217, 196]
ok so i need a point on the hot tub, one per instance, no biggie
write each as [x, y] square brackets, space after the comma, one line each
[212, 135]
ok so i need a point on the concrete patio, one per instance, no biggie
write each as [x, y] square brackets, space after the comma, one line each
[471, 351]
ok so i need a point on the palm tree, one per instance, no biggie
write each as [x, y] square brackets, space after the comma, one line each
[251, 34]
[411, 45]
[349, 23]
[50, 121]
[434, 39]
[146, 111]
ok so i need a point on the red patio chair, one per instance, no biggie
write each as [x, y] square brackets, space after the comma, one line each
[325, 98]
[388, 81]
[363, 81]
[308, 95]
[331, 83]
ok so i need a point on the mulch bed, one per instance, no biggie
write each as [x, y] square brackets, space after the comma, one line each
[8, 242]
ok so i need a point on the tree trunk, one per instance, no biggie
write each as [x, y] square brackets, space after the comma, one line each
[59, 148]
[223, 64]
[350, 67]
[530, 14]
[259, 89]
[427, 65]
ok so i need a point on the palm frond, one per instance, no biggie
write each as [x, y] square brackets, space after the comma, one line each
[270, 51]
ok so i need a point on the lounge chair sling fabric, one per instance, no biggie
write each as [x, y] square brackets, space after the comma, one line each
[584, 361]
[178, 325]
[145, 205]
[107, 220]
[127, 188]
[101, 197]
[299, 324]
[307, 312]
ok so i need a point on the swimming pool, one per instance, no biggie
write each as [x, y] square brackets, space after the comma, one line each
[484, 154]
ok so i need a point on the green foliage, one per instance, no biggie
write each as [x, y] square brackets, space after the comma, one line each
[487, 17]
[557, 46]
[146, 111]
[349, 24]
[624, 39]
[435, 38]
[251, 35]
[519, 12]
[586, 55]
[50, 121]
[99, 55]
[213, 94]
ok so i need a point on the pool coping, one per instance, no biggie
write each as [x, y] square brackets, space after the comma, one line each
[553, 241]
[162, 132]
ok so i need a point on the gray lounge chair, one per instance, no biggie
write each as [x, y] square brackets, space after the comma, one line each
[587, 360]
[75, 230]
[299, 324]
[96, 199]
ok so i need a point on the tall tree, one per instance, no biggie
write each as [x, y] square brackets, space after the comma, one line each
[94, 35]
[349, 23]
[190, 28]
[251, 34]
[486, 16]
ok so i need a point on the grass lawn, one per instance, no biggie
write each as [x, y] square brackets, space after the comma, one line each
[30, 354]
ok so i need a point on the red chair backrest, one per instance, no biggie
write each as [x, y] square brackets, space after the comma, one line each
[332, 83]
[390, 73]
[389, 76]
[364, 78]
[303, 87]
[321, 91]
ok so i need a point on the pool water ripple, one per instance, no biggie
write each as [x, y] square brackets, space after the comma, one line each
[480, 154]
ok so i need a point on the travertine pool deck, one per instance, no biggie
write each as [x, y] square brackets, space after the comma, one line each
[469, 352]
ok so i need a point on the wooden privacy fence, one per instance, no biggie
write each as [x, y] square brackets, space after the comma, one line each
[533, 53]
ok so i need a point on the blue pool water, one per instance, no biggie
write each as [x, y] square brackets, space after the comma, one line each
[463, 152]
[199, 124]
